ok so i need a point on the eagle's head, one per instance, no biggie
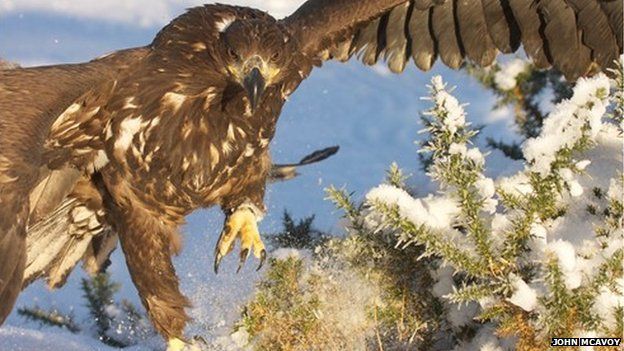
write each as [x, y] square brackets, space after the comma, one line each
[228, 47]
[257, 54]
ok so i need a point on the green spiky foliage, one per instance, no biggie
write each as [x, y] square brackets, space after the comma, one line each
[282, 314]
[298, 234]
[116, 324]
[50, 317]
[99, 292]
[295, 304]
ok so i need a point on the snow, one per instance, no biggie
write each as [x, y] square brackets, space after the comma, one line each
[455, 114]
[606, 302]
[286, 253]
[444, 281]
[436, 212]
[475, 155]
[581, 165]
[460, 315]
[457, 149]
[506, 78]
[587, 106]
[517, 185]
[20, 339]
[486, 188]
[524, 296]
[485, 340]
[565, 252]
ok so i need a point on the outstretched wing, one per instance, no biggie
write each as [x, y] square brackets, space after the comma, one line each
[574, 36]
[31, 99]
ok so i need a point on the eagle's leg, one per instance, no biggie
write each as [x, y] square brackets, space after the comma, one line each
[241, 222]
[148, 242]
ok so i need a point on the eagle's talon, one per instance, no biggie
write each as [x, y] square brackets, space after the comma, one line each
[242, 224]
[199, 340]
[217, 262]
[243, 257]
[263, 256]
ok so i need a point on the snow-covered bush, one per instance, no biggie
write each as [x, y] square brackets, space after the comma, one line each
[527, 257]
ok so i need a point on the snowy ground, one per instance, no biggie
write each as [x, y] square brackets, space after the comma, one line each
[370, 113]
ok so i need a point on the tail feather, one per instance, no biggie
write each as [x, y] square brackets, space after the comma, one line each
[96, 258]
[283, 172]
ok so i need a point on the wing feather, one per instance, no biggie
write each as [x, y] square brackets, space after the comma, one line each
[423, 4]
[562, 38]
[529, 23]
[501, 25]
[74, 230]
[474, 34]
[395, 52]
[424, 52]
[596, 32]
[31, 99]
[446, 33]
[613, 10]
[571, 35]
[51, 191]
[366, 43]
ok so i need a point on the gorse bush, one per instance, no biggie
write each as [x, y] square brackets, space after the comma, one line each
[482, 263]
[305, 306]
[531, 256]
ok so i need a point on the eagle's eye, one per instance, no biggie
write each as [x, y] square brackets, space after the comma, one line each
[276, 56]
[233, 55]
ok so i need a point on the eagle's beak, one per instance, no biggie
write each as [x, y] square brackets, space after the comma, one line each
[254, 84]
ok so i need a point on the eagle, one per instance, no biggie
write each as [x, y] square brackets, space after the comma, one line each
[123, 147]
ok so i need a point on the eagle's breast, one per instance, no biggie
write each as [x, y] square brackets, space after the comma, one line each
[191, 150]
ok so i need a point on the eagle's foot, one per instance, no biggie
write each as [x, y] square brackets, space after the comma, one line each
[243, 223]
[196, 344]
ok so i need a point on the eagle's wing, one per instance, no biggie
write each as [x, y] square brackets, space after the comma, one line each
[574, 36]
[74, 229]
[31, 99]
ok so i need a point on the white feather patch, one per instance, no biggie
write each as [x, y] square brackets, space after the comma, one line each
[73, 108]
[129, 127]
[100, 160]
[174, 100]
[129, 103]
[199, 46]
[249, 150]
[224, 23]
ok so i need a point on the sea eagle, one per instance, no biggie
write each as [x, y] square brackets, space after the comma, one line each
[127, 145]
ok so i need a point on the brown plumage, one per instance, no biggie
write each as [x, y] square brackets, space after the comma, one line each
[122, 148]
